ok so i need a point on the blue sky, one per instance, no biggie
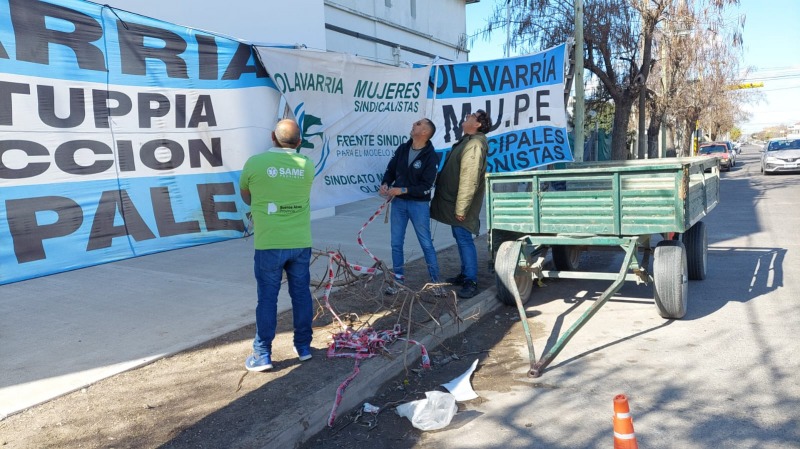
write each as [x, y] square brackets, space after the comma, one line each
[771, 50]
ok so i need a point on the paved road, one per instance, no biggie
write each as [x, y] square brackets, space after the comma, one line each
[725, 376]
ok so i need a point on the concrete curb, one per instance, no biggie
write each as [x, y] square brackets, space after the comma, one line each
[294, 427]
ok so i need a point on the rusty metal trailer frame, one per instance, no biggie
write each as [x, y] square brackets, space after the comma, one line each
[605, 204]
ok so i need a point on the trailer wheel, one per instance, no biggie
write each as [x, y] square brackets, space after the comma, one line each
[566, 257]
[508, 276]
[696, 242]
[670, 279]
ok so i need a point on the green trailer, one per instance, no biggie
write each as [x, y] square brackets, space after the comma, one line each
[614, 204]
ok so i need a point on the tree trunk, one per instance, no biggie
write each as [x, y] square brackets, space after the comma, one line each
[653, 129]
[686, 148]
[648, 44]
[689, 135]
[671, 130]
[653, 138]
[619, 135]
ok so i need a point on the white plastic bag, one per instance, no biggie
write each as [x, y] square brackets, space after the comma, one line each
[432, 413]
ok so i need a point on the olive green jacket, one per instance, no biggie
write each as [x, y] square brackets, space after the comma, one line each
[460, 185]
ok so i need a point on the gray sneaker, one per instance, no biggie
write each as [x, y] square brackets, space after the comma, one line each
[392, 289]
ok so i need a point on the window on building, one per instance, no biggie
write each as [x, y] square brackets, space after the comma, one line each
[414, 8]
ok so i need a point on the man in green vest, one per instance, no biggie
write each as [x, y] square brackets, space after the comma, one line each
[277, 186]
[458, 197]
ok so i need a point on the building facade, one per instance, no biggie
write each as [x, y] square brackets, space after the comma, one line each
[397, 31]
[388, 31]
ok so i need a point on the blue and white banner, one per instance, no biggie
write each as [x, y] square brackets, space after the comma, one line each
[120, 135]
[524, 97]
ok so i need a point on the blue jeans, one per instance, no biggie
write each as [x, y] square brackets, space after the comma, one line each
[269, 265]
[467, 252]
[420, 215]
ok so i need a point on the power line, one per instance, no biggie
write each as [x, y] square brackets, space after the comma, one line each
[777, 77]
[770, 69]
[780, 88]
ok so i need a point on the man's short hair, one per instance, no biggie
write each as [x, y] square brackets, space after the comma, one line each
[433, 127]
[484, 120]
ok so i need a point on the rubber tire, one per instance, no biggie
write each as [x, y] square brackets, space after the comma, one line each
[506, 258]
[695, 240]
[670, 279]
[566, 257]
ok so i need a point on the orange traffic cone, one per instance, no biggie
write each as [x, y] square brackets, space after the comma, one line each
[624, 438]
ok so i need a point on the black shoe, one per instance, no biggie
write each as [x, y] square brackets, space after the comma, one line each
[457, 280]
[469, 289]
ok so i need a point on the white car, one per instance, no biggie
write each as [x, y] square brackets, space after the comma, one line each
[780, 155]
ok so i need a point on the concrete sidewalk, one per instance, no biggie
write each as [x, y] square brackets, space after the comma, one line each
[62, 332]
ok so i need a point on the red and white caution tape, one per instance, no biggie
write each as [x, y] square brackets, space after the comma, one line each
[340, 393]
[333, 256]
[364, 344]
[371, 219]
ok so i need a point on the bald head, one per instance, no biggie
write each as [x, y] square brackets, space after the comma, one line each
[287, 134]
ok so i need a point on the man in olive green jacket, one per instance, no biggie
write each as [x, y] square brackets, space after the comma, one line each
[458, 197]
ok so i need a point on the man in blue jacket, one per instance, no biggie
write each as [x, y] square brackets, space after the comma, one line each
[409, 179]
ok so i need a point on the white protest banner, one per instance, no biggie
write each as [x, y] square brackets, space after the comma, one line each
[524, 97]
[120, 135]
[353, 114]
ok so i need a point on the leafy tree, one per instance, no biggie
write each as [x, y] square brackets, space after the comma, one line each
[708, 68]
[618, 42]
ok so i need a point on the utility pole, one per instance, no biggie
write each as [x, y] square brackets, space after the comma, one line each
[662, 147]
[642, 139]
[508, 28]
[580, 107]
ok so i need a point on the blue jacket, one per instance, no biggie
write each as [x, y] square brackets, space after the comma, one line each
[418, 177]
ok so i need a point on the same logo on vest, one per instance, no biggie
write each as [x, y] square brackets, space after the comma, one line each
[417, 164]
[273, 172]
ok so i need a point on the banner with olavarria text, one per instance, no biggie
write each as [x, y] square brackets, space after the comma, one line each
[353, 114]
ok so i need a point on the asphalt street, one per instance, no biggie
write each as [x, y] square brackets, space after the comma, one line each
[725, 376]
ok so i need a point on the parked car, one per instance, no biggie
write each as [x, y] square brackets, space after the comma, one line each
[780, 155]
[719, 150]
[732, 151]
